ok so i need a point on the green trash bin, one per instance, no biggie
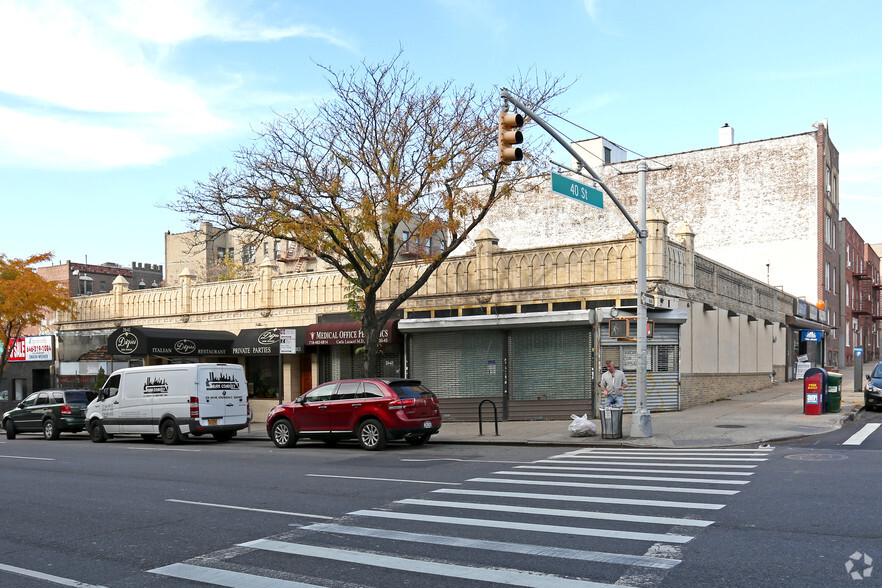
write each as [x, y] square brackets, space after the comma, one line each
[834, 392]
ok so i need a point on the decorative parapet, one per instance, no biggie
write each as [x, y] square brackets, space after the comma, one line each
[484, 272]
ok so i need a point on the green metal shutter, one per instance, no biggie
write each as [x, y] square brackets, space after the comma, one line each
[463, 364]
[551, 364]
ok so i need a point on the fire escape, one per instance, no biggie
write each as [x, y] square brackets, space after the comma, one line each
[299, 255]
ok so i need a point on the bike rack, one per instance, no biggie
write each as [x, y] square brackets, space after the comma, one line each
[481, 419]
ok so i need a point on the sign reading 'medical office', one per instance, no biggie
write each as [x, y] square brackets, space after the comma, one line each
[566, 187]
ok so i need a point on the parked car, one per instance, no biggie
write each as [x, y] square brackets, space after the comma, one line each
[873, 389]
[373, 411]
[51, 412]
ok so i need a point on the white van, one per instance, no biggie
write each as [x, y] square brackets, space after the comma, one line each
[171, 401]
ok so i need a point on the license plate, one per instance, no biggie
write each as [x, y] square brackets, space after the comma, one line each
[212, 421]
[427, 424]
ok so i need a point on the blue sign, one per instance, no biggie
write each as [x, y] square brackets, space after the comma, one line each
[858, 351]
[811, 336]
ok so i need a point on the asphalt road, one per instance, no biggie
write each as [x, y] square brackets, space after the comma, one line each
[130, 513]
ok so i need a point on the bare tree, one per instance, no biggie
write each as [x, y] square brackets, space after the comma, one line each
[386, 166]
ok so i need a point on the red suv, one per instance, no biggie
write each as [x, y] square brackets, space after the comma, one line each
[371, 410]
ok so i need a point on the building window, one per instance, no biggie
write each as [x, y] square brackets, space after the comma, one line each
[828, 230]
[828, 183]
[248, 252]
[277, 249]
[827, 276]
[265, 249]
[835, 287]
[607, 155]
[230, 254]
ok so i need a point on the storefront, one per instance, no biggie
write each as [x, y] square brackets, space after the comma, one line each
[530, 365]
[662, 358]
[806, 339]
[340, 346]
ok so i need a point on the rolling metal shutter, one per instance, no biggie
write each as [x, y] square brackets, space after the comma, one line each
[458, 364]
[662, 366]
[551, 364]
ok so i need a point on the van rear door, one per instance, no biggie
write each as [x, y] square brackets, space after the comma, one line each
[223, 396]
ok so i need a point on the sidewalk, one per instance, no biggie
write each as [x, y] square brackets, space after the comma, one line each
[773, 414]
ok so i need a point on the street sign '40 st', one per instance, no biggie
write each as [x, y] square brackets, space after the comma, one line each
[576, 190]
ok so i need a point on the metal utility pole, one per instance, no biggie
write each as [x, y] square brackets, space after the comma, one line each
[641, 423]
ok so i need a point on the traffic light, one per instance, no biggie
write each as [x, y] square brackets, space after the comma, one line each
[509, 136]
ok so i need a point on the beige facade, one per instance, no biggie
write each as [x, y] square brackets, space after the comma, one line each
[733, 338]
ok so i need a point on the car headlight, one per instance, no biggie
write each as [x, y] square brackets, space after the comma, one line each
[873, 389]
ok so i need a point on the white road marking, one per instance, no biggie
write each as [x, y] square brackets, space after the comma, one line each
[586, 461]
[610, 533]
[525, 549]
[593, 499]
[613, 477]
[164, 449]
[461, 460]
[606, 486]
[280, 512]
[634, 470]
[383, 479]
[228, 578]
[862, 435]
[558, 512]
[670, 457]
[592, 450]
[31, 458]
[498, 575]
[46, 577]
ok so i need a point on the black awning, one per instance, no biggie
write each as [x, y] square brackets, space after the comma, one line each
[266, 341]
[348, 333]
[804, 323]
[141, 341]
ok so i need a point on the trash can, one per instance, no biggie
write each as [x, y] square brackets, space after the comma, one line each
[611, 422]
[834, 392]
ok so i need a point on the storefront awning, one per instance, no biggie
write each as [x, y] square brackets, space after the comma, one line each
[141, 341]
[500, 321]
[265, 341]
[348, 333]
[803, 323]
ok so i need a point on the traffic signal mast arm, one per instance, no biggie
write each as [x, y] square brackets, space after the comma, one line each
[533, 116]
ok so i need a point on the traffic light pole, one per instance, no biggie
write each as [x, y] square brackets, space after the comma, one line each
[641, 421]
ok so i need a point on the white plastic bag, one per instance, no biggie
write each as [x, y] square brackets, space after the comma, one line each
[581, 426]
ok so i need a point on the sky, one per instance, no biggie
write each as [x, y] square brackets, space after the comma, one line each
[108, 108]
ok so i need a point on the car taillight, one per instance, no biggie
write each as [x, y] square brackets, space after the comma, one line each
[400, 404]
[194, 407]
[65, 409]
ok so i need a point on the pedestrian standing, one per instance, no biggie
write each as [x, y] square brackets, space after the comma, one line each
[613, 383]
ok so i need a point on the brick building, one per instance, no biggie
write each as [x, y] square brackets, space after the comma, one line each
[84, 279]
[860, 285]
[766, 208]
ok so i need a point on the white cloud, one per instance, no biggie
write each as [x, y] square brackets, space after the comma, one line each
[63, 144]
[592, 7]
[96, 74]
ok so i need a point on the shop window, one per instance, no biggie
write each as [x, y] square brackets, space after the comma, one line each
[263, 376]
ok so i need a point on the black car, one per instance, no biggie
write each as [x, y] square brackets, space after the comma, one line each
[51, 412]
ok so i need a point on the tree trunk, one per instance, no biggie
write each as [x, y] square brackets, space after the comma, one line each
[371, 330]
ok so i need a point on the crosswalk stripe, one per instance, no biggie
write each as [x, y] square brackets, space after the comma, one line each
[498, 575]
[698, 451]
[862, 435]
[606, 486]
[654, 464]
[609, 533]
[592, 499]
[225, 577]
[633, 470]
[613, 477]
[505, 547]
[557, 512]
[670, 457]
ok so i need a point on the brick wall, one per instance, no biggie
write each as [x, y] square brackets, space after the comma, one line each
[697, 389]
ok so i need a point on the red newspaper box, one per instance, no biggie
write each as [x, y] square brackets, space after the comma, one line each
[814, 387]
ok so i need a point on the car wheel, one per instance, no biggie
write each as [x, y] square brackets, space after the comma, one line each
[97, 433]
[372, 435]
[10, 429]
[283, 434]
[223, 436]
[170, 433]
[50, 430]
[149, 437]
[420, 439]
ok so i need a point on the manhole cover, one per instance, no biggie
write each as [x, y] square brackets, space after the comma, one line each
[817, 457]
[730, 426]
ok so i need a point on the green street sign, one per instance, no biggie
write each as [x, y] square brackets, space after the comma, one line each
[575, 190]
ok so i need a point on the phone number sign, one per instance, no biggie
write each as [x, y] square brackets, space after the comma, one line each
[31, 349]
